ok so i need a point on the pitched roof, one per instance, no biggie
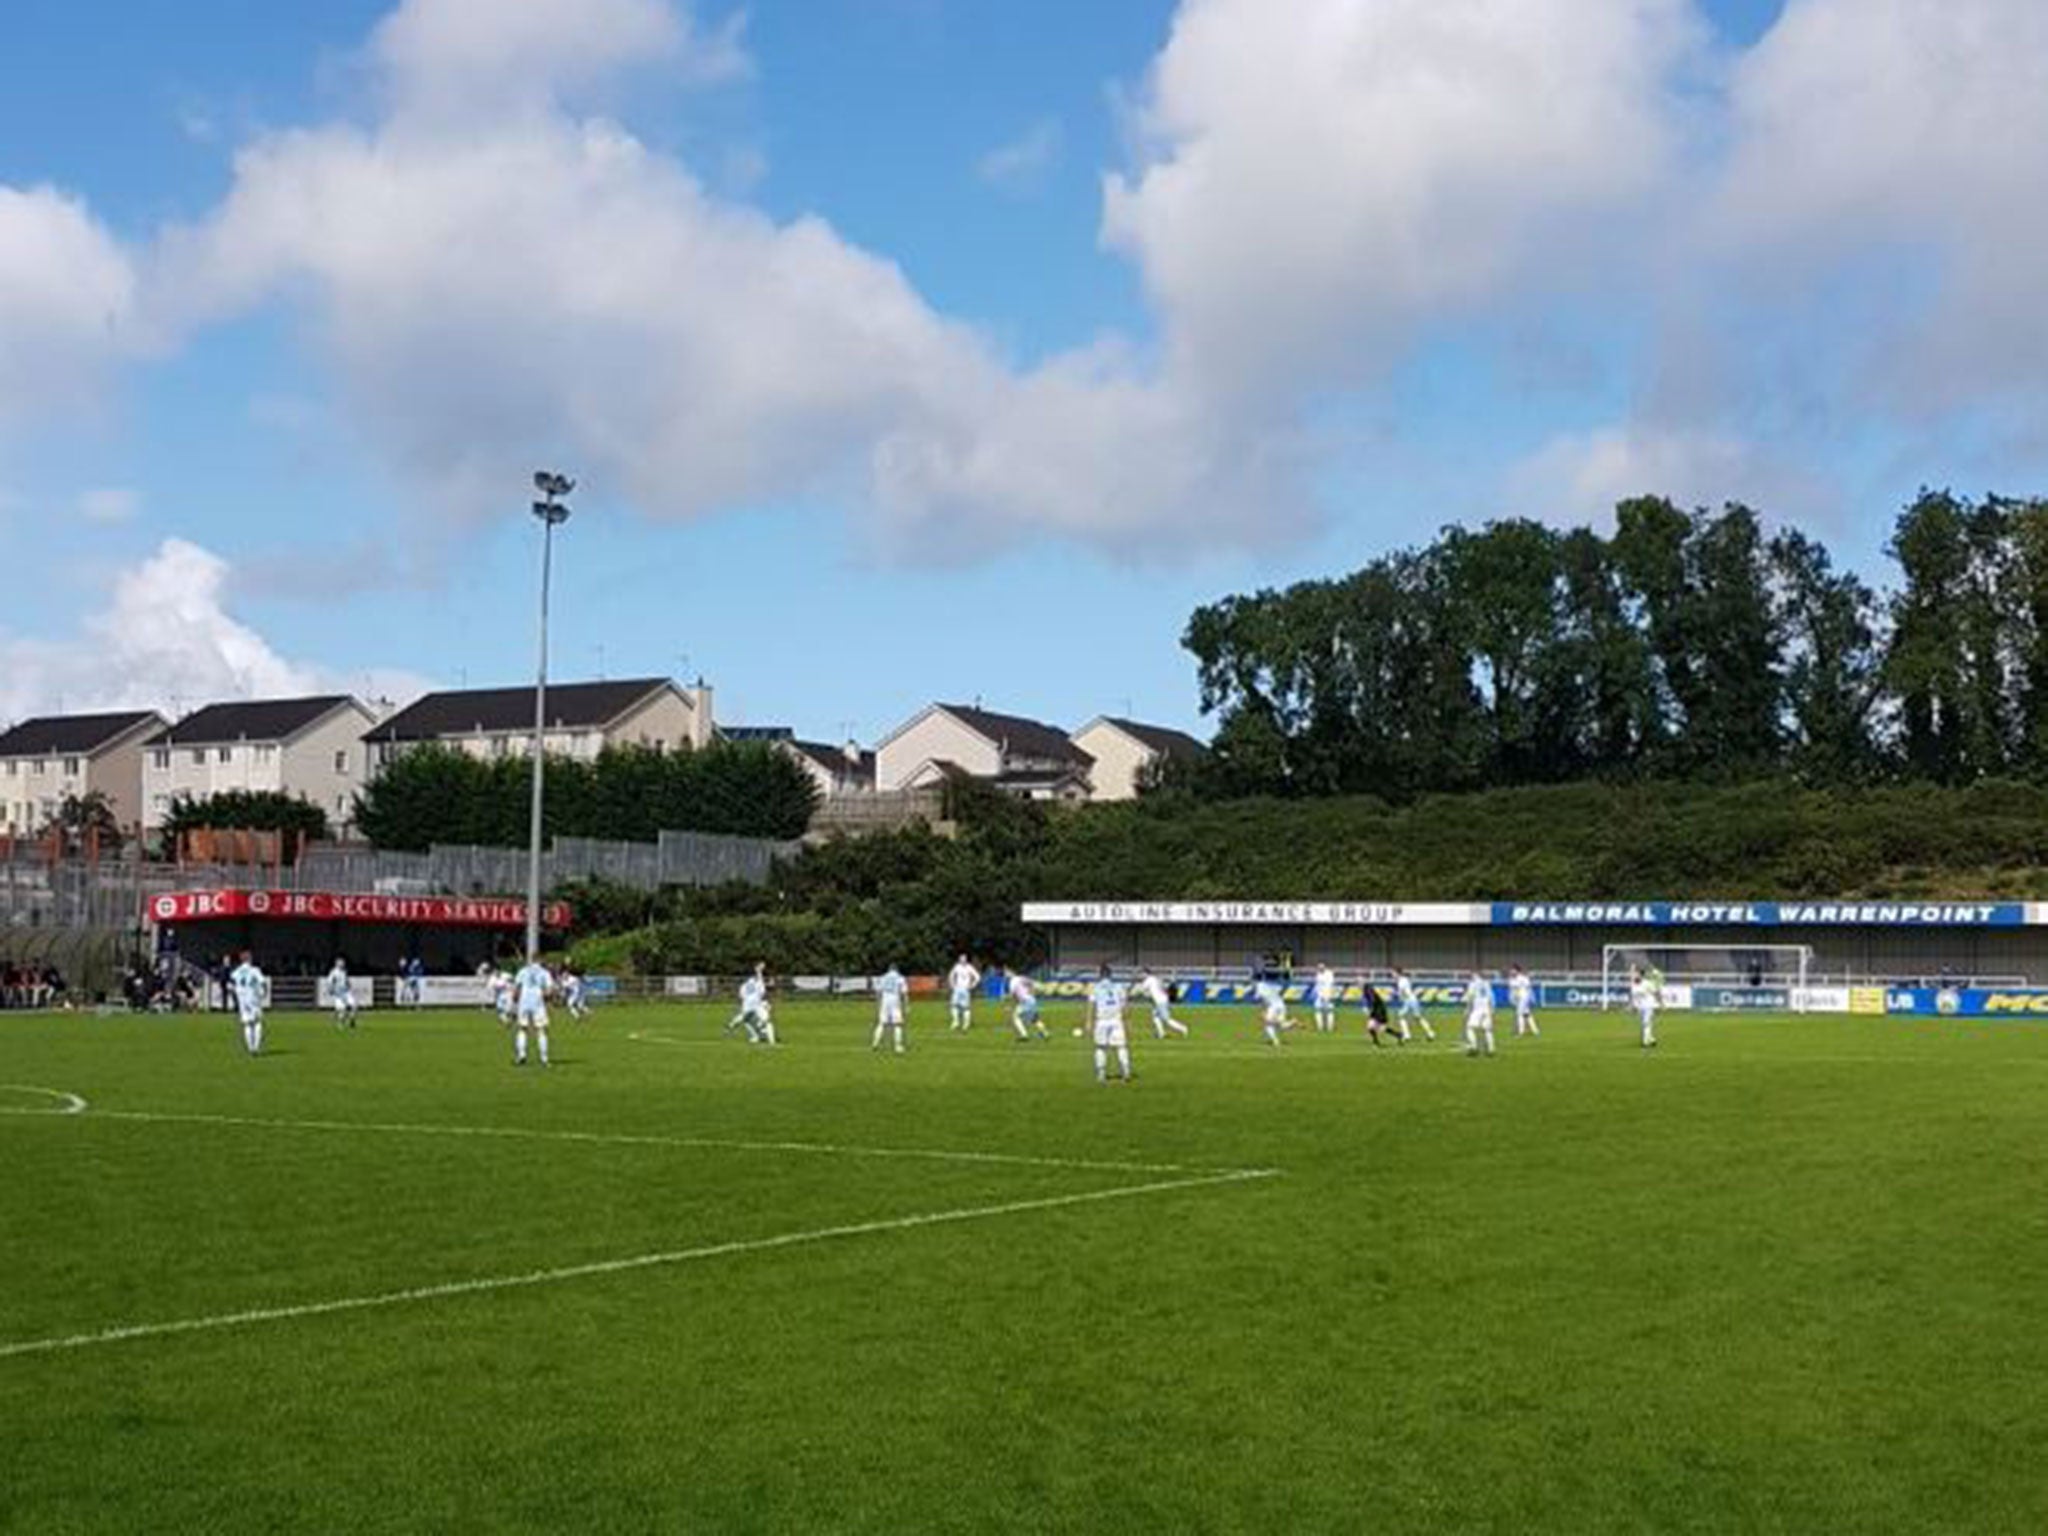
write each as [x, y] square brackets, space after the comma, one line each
[71, 735]
[836, 760]
[1160, 738]
[471, 711]
[1027, 738]
[251, 720]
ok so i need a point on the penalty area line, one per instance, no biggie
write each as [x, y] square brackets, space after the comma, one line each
[604, 1267]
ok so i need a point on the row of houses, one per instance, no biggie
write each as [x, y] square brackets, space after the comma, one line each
[325, 748]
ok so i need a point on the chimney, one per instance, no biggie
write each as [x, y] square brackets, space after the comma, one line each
[701, 722]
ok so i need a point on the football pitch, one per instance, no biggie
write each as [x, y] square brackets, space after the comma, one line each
[1781, 1274]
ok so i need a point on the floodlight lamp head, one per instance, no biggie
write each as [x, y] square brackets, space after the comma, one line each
[553, 513]
[552, 485]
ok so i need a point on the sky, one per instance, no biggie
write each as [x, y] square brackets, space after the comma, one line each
[951, 349]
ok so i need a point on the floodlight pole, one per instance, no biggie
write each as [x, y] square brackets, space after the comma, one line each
[551, 510]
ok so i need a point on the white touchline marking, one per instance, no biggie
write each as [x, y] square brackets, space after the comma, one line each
[70, 1103]
[700, 1143]
[615, 1266]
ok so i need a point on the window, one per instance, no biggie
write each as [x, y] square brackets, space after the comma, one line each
[160, 759]
[71, 766]
[266, 754]
[341, 761]
[39, 767]
[12, 767]
[224, 754]
[199, 757]
[499, 746]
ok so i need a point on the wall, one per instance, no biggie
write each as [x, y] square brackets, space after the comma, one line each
[31, 788]
[117, 773]
[665, 721]
[1118, 761]
[935, 734]
[199, 771]
[309, 760]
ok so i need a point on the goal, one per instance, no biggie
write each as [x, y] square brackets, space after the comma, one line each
[1725, 976]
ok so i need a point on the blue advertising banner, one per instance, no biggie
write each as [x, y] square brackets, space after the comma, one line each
[1764, 914]
[1969, 1002]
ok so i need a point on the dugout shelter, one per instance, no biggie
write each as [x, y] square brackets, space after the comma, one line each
[300, 933]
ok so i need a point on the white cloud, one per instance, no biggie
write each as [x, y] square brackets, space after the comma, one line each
[67, 292]
[165, 640]
[1022, 164]
[1580, 477]
[465, 57]
[1321, 177]
[492, 284]
[1901, 145]
[109, 504]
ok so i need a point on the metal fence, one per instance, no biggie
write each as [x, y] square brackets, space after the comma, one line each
[679, 858]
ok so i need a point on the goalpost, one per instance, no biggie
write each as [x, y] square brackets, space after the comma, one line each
[1725, 970]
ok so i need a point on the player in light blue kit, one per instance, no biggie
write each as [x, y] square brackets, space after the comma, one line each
[960, 984]
[1024, 1016]
[1273, 1009]
[341, 997]
[252, 995]
[1106, 1017]
[890, 991]
[531, 986]
[1325, 995]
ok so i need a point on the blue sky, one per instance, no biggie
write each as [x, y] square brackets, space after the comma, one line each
[915, 349]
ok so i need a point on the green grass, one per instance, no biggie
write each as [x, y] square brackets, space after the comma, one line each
[1782, 1275]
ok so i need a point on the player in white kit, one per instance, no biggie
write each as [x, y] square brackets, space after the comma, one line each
[960, 984]
[572, 994]
[252, 995]
[1106, 1020]
[1645, 995]
[341, 996]
[502, 998]
[1325, 997]
[754, 1016]
[1024, 1007]
[1153, 990]
[530, 988]
[1408, 1008]
[1273, 1009]
[1522, 993]
[890, 991]
[1478, 1016]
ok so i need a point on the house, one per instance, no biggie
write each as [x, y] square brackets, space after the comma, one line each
[308, 747]
[44, 759]
[1024, 757]
[582, 720]
[837, 771]
[1128, 752]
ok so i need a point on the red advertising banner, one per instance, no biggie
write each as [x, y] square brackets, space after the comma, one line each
[346, 907]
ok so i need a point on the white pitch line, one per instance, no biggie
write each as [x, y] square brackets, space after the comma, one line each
[71, 1103]
[697, 1143]
[613, 1266]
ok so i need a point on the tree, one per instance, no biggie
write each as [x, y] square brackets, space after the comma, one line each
[86, 822]
[1833, 669]
[296, 818]
[437, 794]
[1954, 633]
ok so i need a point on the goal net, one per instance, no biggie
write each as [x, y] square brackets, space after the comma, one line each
[1729, 976]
